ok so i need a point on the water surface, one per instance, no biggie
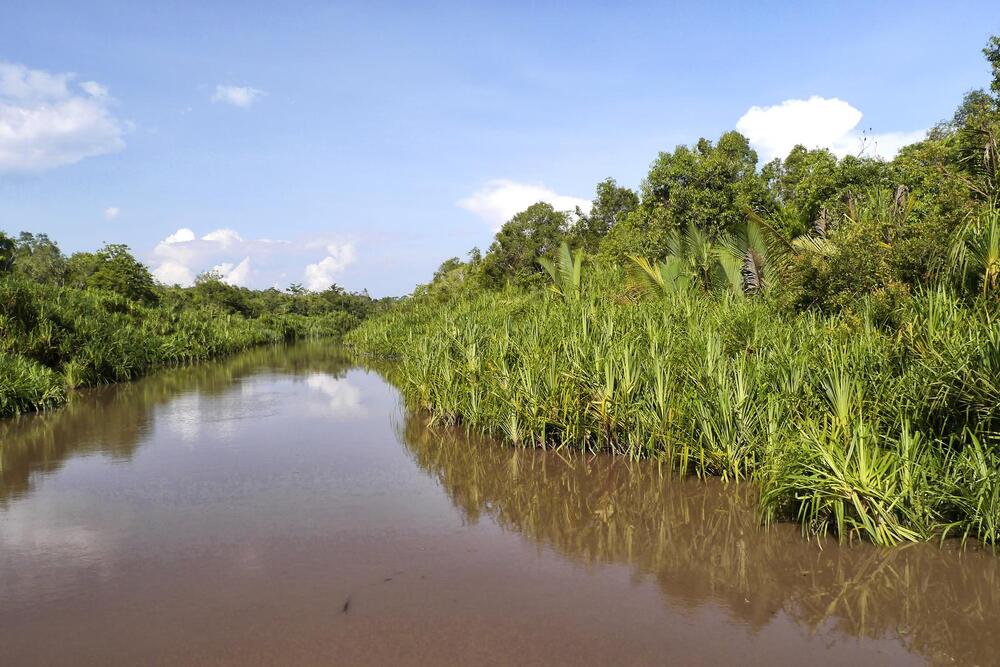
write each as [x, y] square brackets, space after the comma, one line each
[280, 507]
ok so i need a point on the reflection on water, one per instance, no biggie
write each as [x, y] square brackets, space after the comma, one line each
[114, 420]
[701, 542]
[251, 496]
[345, 398]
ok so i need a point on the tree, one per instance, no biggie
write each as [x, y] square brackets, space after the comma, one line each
[114, 269]
[39, 259]
[806, 184]
[977, 134]
[447, 267]
[867, 254]
[210, 290]
[815, 189]
[7, 249]
[611, 205]
[513, 256]
[992, 53]
[712, 186]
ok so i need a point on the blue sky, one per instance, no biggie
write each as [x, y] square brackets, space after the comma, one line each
[367, 142]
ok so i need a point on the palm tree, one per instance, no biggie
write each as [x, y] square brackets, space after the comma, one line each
[735, 263]
[566, 272]
[666, 277]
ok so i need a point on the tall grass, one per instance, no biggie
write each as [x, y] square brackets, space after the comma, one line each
[847, 426]
[55, 339]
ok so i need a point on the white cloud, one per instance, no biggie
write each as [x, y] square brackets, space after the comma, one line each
[182, 235]
[238, 96]
[183, 255]
[223, 236]
[47, 122]
[344, 398]
[170, 272]
[498, 200]
[238, 275]
[32, 85]
[112, 212]
[94, 89]
[321, 275]
[817, 122]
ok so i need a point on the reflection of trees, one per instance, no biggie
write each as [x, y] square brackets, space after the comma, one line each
[112, 420]
[701, 542]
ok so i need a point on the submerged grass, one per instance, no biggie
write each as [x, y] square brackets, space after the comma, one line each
[847, 426]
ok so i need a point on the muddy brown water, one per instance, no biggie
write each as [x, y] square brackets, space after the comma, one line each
[281, 508]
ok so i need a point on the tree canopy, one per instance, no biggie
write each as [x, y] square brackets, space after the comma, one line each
[532, 233]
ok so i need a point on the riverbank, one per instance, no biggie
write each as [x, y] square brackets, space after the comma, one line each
[849, 426]
[54, 339]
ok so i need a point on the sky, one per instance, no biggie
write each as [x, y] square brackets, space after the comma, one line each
[364, 143]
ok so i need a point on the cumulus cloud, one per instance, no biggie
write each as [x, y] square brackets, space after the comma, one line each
[170, 272]
[183, 255]
[112, 212]
[48, 121]
[498, 200]
[182, 235]
[238, 96]
[817, 122]
[224, 236]
[322, 274]
[238, 275]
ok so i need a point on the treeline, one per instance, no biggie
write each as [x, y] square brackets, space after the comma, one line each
[98, 317]
[825, 327]
[863, 226]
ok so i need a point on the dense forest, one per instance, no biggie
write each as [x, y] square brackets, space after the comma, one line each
[99, 317]
[825, 327]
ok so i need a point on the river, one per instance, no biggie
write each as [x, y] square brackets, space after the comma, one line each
[280, 507]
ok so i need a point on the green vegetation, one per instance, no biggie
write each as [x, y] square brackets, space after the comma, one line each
[826, 328]
[94, 318]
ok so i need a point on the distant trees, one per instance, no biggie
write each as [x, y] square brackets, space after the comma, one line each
[820, 231]
[992, 53]
[211, 292]
[113, 269]
[7, 250]
[611, 205]
[39, 259]
[712, 186]
[532, 233]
